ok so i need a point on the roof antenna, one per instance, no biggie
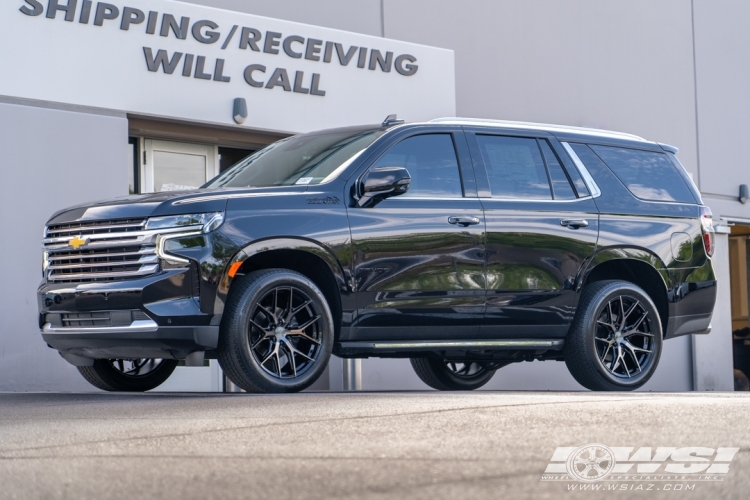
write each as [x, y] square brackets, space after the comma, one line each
[392, 120]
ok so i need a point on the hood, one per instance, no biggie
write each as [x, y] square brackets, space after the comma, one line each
[165, 203]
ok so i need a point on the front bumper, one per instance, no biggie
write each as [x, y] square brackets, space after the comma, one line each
[158, 316]
[145, 340]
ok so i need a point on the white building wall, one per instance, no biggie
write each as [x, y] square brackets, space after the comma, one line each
[360, 16]
[629, 65]
[625, 66]
[51, 159]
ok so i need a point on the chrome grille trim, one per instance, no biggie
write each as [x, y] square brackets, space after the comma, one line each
[82, 228]
[76, 255]
[113, 250]
[114, 239]
[145, 259]
[89, 276]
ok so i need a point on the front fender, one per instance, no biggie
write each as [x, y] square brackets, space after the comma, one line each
[271, 244]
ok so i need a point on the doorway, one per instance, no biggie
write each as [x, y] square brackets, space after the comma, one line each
[176, 166]
[739, 258]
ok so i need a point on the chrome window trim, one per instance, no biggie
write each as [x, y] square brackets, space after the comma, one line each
[587, 179]
[439, 198]
[526, 200]
[144, 325]
[539, 200]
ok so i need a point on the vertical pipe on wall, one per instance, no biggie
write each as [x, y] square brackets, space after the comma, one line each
[712, 354]
[352, 374]
[382, 18]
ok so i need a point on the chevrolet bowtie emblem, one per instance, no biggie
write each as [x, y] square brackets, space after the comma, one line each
[77, 242]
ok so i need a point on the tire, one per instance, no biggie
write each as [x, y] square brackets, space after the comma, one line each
[605, 353]
[446, 376]
[264, 348]
[120, 375]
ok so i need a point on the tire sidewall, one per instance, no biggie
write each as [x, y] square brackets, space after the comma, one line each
[596, 307]
[455, 382]
[258, 376]
[121, 382]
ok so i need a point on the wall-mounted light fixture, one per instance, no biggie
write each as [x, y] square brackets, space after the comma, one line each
[744, 193]
[240, 110]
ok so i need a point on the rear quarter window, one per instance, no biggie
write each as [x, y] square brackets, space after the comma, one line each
[648, 175]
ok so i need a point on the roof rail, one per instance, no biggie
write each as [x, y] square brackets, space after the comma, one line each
[392, 120]
[539, 126]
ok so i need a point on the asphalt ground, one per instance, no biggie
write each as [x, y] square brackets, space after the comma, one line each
[397, 445]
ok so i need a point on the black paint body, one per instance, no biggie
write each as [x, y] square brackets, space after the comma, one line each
[398, 271]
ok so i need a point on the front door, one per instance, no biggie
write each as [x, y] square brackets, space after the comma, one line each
[542, 224]
[418, 258]
[176, 166]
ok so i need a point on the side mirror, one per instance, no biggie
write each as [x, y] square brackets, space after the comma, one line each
[381, 183]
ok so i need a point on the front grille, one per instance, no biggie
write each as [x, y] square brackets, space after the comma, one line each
[107, 251]
[95, 227]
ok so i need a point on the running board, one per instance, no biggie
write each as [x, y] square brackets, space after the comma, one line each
[451, 345]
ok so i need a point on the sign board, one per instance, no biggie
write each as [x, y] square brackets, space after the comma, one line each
[184, 61]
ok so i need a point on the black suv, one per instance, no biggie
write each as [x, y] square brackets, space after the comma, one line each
[464, 245]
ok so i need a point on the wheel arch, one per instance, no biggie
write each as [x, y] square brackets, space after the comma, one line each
[304, 256]
[637, 266]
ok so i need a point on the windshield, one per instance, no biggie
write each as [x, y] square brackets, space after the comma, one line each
[302, 159]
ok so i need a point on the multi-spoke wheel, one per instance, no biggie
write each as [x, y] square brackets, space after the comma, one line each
[128, 375]
[624, 342]
[276, 333]
[615, 340]
[446, 375]
[284, 332]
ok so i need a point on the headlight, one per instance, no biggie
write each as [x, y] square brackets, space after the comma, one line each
[209, 222]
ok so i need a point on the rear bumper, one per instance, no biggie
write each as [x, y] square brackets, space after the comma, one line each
[691, 307]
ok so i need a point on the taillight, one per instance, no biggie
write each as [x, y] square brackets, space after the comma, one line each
[707, 227]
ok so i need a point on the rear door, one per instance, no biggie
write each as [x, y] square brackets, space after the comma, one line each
[542, 225]
[418, 258]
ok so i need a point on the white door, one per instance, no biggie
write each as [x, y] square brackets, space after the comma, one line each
[176, 166]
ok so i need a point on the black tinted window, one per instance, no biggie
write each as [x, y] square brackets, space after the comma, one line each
[560, 182]
[648, 175]
[515, 167]
[431, 162]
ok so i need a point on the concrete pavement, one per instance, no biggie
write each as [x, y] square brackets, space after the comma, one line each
[348, 445]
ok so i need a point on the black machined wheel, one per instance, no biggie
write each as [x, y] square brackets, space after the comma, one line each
[615, 341]
[128, 375]
[625, 345]
[276, 333]
[284, 332]
[445, 375]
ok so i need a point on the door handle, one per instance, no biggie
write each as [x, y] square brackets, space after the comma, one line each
[574, 223]
[463, 221]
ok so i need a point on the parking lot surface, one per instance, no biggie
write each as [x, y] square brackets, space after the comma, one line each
[351, 445]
